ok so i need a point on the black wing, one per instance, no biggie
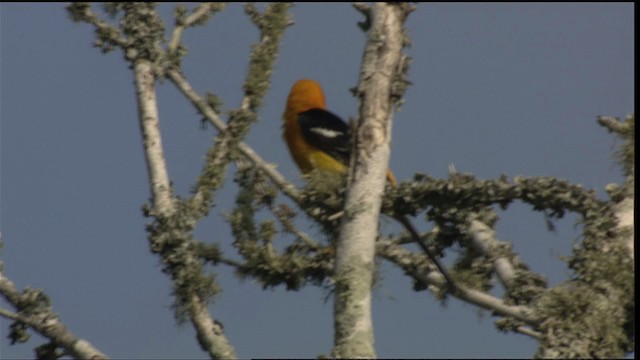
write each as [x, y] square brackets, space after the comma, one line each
[326, 132]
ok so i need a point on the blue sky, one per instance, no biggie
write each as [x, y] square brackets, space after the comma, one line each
[497, 89]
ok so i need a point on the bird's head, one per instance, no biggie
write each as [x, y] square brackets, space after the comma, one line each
[304, 95]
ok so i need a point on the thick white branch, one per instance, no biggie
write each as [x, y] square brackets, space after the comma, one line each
[353, 328]
[483, 239]
[210, 333]
[151, 137]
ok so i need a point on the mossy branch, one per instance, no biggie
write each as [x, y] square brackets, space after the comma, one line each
[256, 84]
[171, 233]
[34, 310]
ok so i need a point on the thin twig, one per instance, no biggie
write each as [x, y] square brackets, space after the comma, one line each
[290, 227]
[8, 314]
[183, 85]
[529, 332]
[613, 124]
[414, 266]
[199, 15]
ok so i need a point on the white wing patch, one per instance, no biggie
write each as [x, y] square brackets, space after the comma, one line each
[327, 133]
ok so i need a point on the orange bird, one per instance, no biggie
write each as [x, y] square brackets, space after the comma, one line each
[318, 139]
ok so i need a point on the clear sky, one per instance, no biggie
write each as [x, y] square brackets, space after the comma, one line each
[497, 89]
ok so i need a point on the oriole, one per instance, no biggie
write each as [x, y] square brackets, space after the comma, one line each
[318, 139]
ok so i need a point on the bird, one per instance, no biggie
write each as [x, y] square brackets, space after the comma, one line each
[320, 140]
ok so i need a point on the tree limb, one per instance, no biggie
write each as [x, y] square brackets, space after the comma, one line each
[210, 335]
[183, 85]
[415, 266]
[198, 16]
[623, 196]
[353, 328]
[41, 318]
[484, 240]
